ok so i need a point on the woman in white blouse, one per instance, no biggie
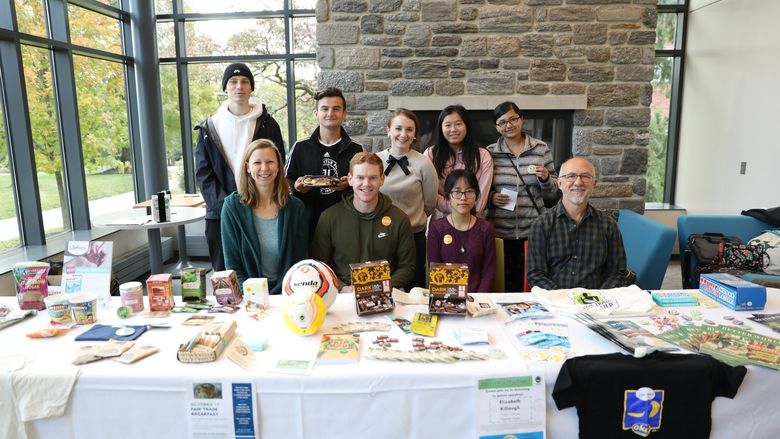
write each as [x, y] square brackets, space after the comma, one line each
[410, 180]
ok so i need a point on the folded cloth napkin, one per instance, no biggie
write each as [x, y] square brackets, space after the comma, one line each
[108, 332]
[30, 390]
[10, 426]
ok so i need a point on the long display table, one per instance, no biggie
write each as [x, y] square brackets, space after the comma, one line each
[364, 399]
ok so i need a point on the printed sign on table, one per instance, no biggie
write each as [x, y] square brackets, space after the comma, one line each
[222, 410]
[86, 268]
[511, 406]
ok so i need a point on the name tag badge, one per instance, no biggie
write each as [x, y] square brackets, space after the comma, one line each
[386, 221]
[447, 239]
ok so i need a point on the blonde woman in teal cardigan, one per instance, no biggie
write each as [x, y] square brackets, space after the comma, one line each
[264, 230]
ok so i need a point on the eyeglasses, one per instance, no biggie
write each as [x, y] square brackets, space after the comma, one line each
[571, 178]
[469, 193]
[511, 120]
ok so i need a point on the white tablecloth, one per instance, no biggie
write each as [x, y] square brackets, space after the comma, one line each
[364, 399]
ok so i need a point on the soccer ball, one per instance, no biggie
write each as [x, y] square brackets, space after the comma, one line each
[304, 313]
[310, 276]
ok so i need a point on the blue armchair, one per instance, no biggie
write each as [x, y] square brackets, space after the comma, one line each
[741, 226]
[648, 245]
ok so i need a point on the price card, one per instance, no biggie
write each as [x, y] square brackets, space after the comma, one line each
[511, 406]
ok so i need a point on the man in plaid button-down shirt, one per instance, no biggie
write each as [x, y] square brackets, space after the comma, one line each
[574, 244]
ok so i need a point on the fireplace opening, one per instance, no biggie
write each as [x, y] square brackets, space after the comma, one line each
[554, 127]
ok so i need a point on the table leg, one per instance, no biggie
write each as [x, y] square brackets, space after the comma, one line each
[155, 251]
[184, 259]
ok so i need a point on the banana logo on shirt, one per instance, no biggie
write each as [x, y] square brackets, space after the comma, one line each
[642, 409]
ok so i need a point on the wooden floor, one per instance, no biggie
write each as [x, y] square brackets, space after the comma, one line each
[673, 278]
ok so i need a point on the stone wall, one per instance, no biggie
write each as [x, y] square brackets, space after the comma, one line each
[539, 53]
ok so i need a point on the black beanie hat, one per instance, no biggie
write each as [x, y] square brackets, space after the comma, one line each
[237, 69]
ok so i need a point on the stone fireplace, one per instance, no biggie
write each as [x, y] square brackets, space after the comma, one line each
[592, 59]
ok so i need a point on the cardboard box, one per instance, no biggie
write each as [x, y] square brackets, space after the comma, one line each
[372, 286]
[208, 344]
[159, 288]
[733, 292]
[226, 290]
[448, 284]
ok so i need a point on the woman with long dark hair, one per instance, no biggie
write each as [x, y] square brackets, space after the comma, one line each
[454, 148]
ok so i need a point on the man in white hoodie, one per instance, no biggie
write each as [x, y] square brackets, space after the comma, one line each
[222, 139]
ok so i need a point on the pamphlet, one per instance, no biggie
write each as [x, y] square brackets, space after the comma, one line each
[14, 317]
[511, 406]
[526, 310]
[402, 323]
[510, 206]
[424, 324]
[87, 269]
[730, 345]
[539, 341]
[338, 348]
[221, 410]
[626, 334]
[770, 320]
[295, 366]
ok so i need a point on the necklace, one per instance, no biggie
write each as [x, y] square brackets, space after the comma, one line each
[454, 226]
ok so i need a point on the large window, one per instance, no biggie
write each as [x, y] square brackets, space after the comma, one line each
[9, 227]
[69, 151]
[197, 39]
[104, 134]
[666, 104]
[46, 139]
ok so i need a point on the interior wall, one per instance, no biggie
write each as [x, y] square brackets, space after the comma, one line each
[731, 102]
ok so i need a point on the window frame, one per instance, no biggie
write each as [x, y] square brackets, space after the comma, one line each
[13, 92]
[675, 102]
[182, 61]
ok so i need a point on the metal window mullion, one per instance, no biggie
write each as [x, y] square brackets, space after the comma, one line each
[292, 129]
[675, 114]
[237, 58]
[147, 79]
[65, 98]
[185, 115]
[132, 108]
[102, 8]
[20, 151]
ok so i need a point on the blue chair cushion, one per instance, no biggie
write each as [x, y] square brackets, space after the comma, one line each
[648, 246]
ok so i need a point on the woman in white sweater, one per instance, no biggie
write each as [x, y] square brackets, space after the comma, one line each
[410, 180]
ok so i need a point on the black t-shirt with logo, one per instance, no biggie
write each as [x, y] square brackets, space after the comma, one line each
[659, 396]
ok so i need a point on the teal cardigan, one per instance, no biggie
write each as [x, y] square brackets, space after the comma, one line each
[241, 245]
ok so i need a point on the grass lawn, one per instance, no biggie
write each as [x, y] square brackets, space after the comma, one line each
[98, 186]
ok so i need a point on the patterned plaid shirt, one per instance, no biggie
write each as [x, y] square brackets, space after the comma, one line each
[564, 254]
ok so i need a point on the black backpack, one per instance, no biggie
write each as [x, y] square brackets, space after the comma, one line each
[707, 248]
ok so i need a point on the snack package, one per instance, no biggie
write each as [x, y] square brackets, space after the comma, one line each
[114, 348]
[226, 288]
[31, 285]
[87, 354]
[448, 286]
[372, 286]
[136, 353]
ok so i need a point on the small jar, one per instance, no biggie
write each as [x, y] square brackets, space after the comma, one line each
[132, 294]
